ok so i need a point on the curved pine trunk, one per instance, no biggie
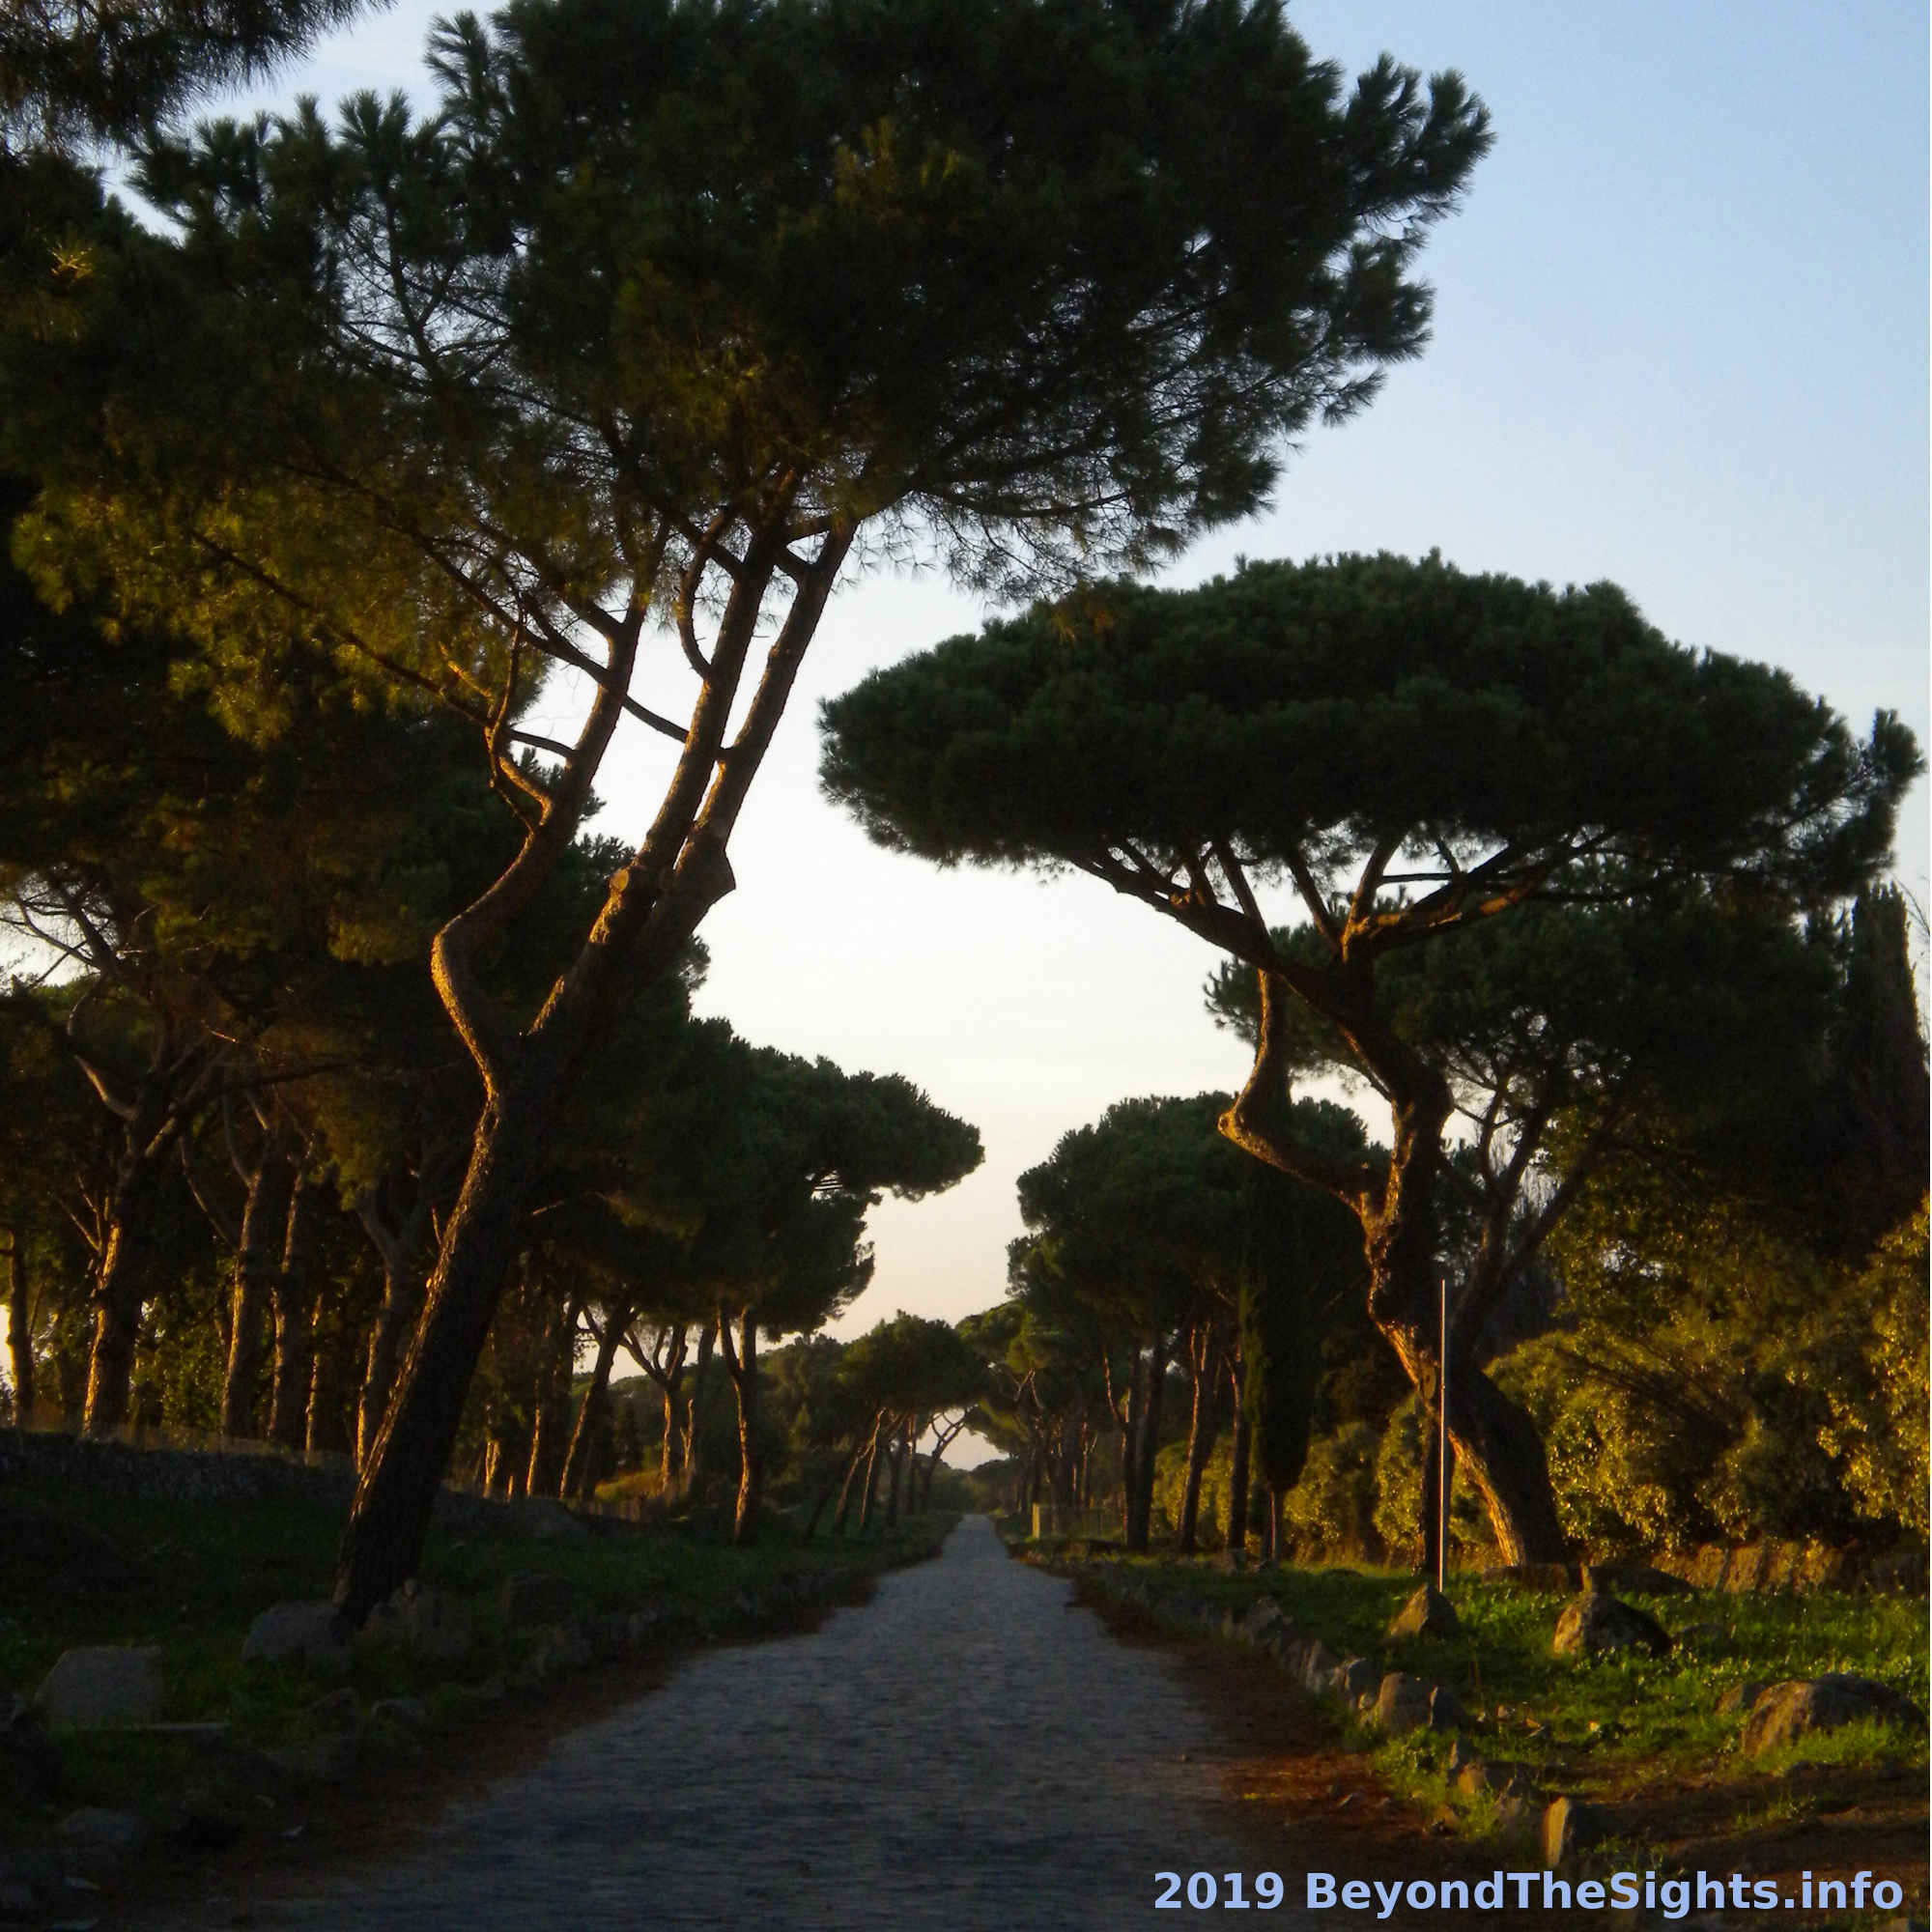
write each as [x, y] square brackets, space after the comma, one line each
[257, 1260]
[744, 1370]
[397, 1487]
[20, 1326]
[294, 1300]
[578, 1472]
[120, 1293]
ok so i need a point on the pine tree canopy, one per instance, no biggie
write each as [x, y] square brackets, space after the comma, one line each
[1470, 742]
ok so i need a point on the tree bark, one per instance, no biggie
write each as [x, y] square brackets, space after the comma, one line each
[1147, 1445]
[580, 1473]
[20, 1326]
[741, 1364]
[121, 1291]
[548, 1444]
[1203, 1425]
[1494, 1440]
[700, 1382]
[294, 1295]
[332, 1356]
[1238, 1475]
[396, 1233]
[398, 1483]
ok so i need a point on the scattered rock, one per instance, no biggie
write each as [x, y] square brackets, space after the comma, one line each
[1427, 1613]
[1798, 1708]
[298, 1632]
[1599, 1625]
[1639, 1579]
[1551, 1578]
[30, 1762]
[560, 1650]
[1353, 1676]
[1507, 1780]
[1737, 1697]
[549, 1522]
[1570, 1828]
[1403, 1703]
[1261, 1620]
[1445, 1708]
[97, 1842]
[338, 1711]
[1317, 1665]
[530, 1600]
[102, 1686]
[430, 1625]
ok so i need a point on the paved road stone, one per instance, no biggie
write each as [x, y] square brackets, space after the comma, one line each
[967, 1751]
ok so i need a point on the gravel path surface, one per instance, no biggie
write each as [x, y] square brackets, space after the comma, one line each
[967, 1750]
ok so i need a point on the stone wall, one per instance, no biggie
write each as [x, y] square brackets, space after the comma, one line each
[57, 1461]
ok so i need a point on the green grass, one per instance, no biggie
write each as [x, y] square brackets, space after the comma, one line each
[89, 1569]
[1594, 1728]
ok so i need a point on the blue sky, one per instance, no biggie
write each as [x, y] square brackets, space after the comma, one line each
[1681, 343]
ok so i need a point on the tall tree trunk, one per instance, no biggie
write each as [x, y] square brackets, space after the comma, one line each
[294, 1294]
[121, 1291]
[1147, 1444]
[871, 1490]
[333, 1357]
[1494, 1440]
[1131, 1435]
[395, 1236]
[579, 1464]
[1203, 1425]
[901, 1462]
[866, 1448]
[701, 1384]
[839, 1482]
[20, 1325]
[1238, 1474]
[257, 1257]
[742, 1363]
[1497, 1444]
[549, 1443]
[398, 1483]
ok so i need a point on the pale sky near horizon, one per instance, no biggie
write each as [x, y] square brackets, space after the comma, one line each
[1680, 342]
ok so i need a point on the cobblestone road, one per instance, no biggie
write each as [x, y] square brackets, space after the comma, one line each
[967, 1750]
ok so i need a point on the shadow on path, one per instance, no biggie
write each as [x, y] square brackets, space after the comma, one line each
[968, 1750]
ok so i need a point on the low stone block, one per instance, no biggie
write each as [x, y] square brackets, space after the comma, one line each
[1353, 1676]
[1600, 1625]
[1800, 1707]
[1427, 1613]
[1317, 1665]
[1260, 1620]
[102, 1684]
[1403, 1703]
[1570, 1828]
[298, 1632]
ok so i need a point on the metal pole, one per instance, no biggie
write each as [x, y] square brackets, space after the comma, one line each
[1442, 1439]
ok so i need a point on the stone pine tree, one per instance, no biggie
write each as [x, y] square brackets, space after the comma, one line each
[668, 314]
[1409, 752]
[1556, 1031]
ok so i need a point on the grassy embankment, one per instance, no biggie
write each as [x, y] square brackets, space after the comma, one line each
[82, 1569]
[1641, 1735]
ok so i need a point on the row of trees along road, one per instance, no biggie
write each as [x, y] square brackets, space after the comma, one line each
[1548, 866]
[612, 365]
[1715, 1316]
